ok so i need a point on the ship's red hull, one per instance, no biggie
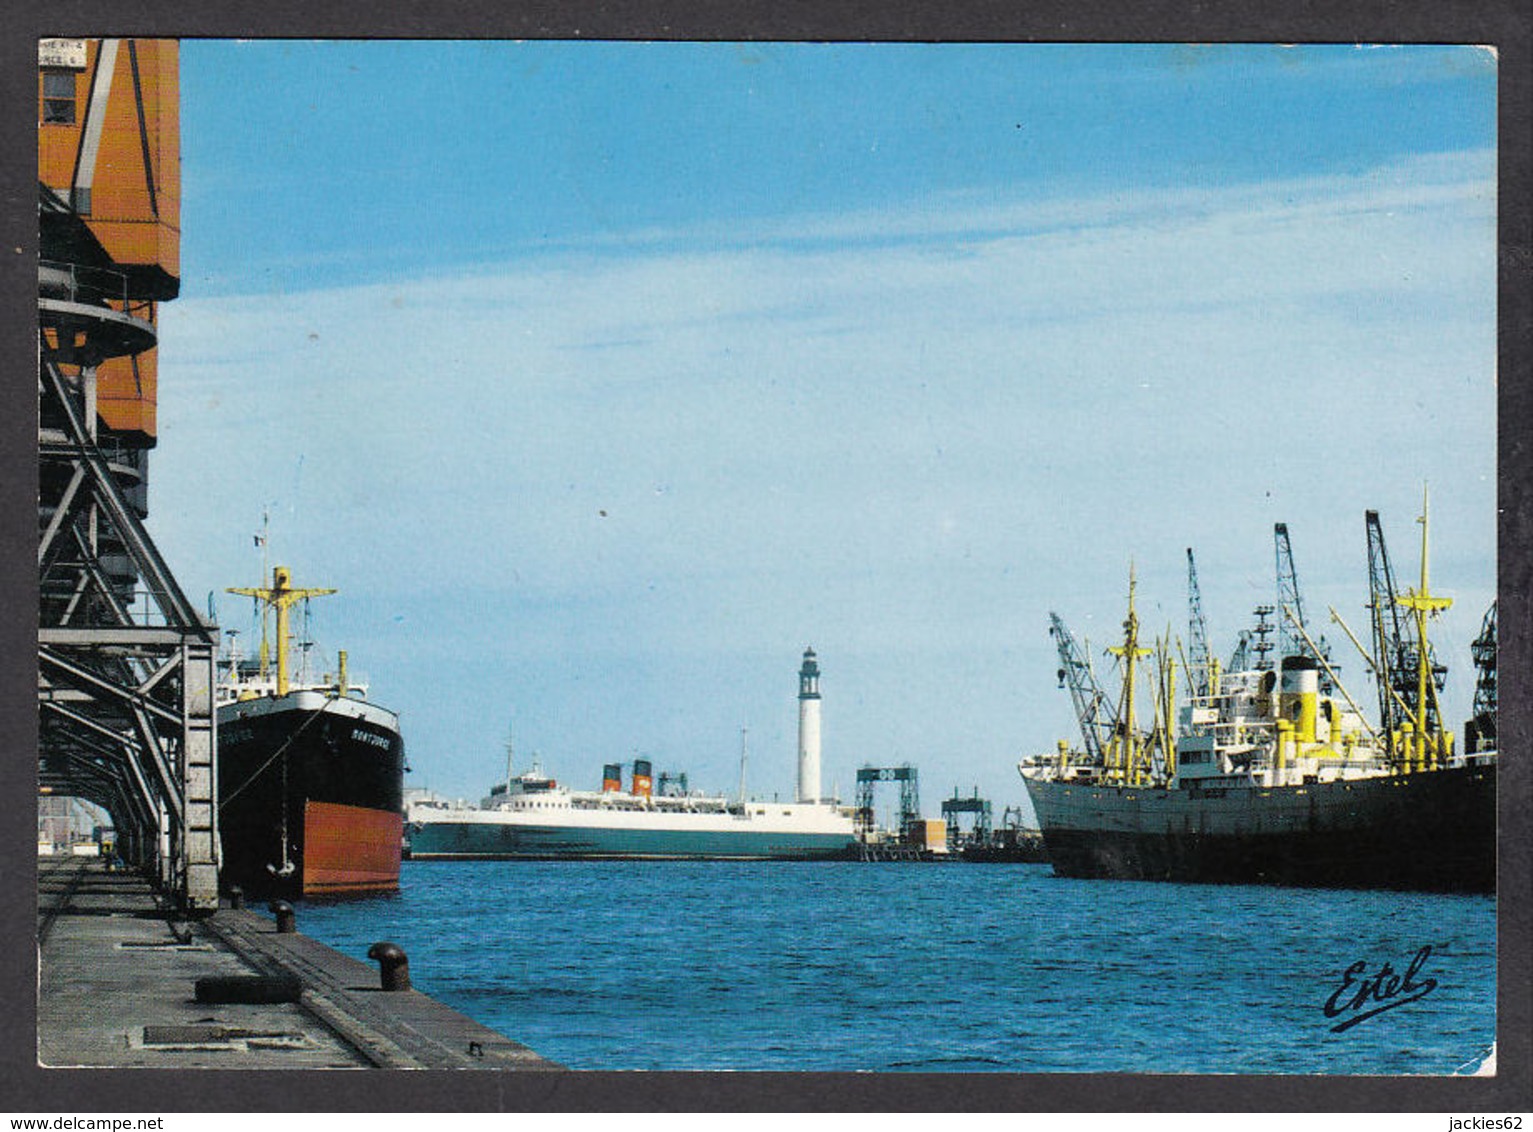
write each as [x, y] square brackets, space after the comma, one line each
[349, 850]
[310, 794]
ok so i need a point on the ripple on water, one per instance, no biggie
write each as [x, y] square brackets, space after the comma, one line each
[694, 965]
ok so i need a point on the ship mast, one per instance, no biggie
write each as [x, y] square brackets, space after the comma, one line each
[279, 596]
[744, 733]
[1424, 603]
[1165, 704]
[1124, 750]
[261, 540]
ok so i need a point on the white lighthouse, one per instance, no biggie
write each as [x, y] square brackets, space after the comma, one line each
[809, 729]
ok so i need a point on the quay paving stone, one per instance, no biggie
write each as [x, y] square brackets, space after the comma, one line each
[114, 970]
[111, 966]
[404, 1027]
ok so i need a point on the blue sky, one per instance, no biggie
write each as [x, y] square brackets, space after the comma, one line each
[604, 378]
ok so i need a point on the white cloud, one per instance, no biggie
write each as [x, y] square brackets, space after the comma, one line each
[916, 430]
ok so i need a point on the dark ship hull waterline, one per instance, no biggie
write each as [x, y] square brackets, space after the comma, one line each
[1432, 831]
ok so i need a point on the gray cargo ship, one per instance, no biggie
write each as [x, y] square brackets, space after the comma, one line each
[1264, 779]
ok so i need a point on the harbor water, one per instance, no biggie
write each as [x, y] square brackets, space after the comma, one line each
[671, 965]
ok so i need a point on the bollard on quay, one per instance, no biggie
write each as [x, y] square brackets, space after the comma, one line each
[393, 964]
[286, 922]
[236, 897]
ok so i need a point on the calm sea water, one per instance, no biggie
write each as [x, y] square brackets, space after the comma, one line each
[920, 968]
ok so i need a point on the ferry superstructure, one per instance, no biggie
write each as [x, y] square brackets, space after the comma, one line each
[534, 817]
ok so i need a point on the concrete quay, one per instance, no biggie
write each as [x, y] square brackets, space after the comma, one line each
[117, 988]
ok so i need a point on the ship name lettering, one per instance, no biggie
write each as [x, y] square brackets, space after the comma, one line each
[1386, 986]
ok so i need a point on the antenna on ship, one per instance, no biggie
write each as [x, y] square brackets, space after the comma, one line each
[510, 759]
[259, 540]
[744, 733]
[305, 643]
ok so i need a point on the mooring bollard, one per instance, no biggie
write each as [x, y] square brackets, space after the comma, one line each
[393, 964]
[286, 922]
[236, 897]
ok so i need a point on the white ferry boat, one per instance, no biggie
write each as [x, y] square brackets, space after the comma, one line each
[531, 816]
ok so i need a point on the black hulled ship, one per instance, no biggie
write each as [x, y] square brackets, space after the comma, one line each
[311, 773]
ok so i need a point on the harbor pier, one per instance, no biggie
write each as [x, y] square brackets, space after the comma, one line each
[127, 981]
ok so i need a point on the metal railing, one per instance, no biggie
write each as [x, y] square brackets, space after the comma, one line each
[93, 286]
[81, 283]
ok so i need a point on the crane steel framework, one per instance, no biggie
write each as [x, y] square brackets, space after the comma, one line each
[868, 778]
[125, 664]
[1090, 701]
[1482, 726]
[1396, 645]
[1199, 663]
[1291, 640]
[979, 833]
